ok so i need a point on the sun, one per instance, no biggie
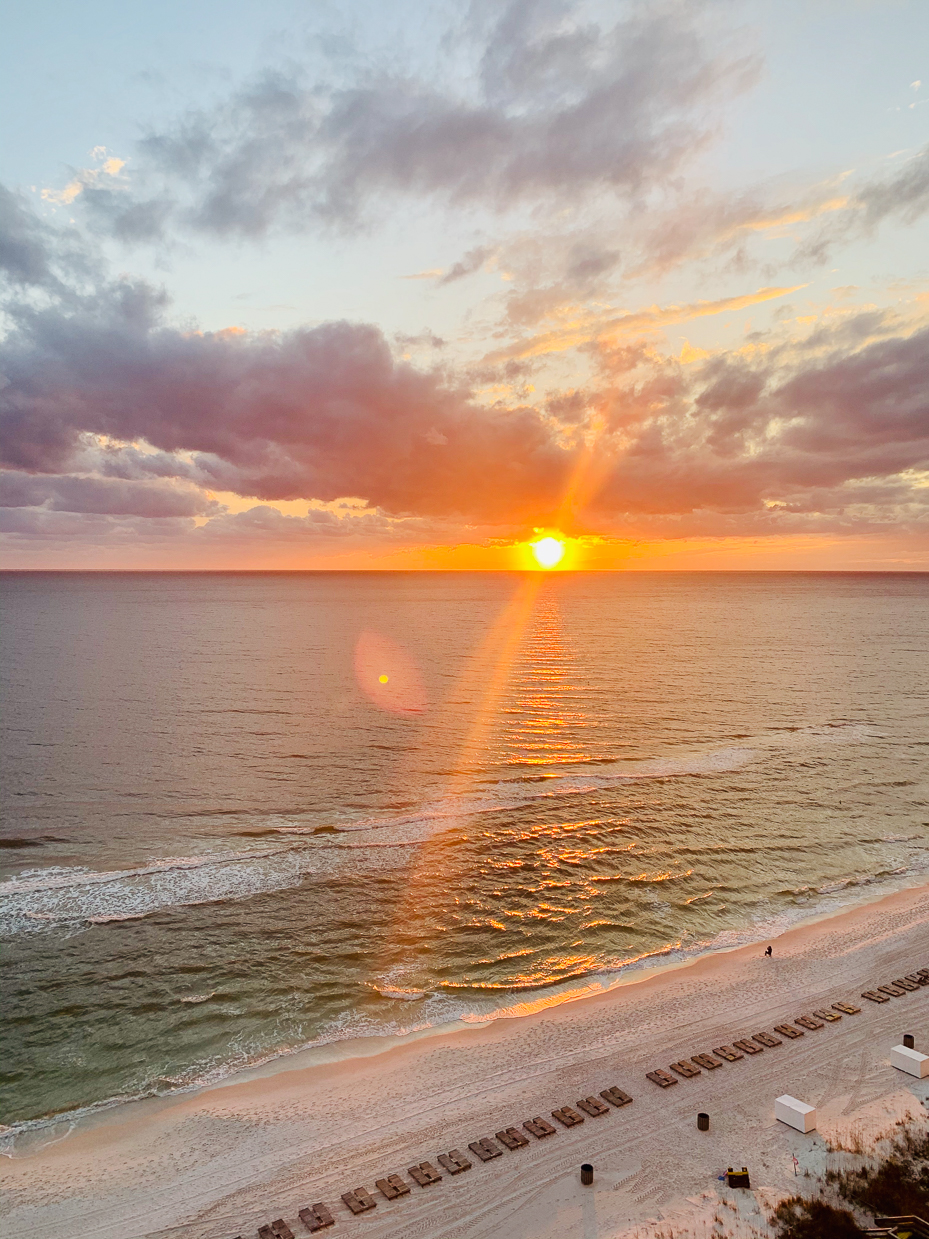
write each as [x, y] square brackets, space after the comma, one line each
[548, 552]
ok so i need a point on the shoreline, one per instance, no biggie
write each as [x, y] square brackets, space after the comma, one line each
[322, 1053]
[224, 1159]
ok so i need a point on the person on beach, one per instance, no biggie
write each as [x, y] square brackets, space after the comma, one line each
[769, 951]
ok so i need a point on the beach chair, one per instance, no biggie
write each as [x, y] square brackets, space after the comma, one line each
[846, 1008]
[567, 1117]
[923, 974]
[893, 990]
[454, 1161]
[918, 978]
[391, 1191]
[664, 1078]
[829, 1016]
[512, 1137]
[729, 1053]
[265, 1232]
[359, 1201]
[686, 1069]
[807, 1021]
[765, 1039]
[281, 1229]
[706, 1060]
[317, 1217]
[748, 1047]
[485, 1149]
[787, 1031]
[873, 996]
[593, 1107]
[615, 1096]
[906, 983]
[425, 1174]
[539, 1127]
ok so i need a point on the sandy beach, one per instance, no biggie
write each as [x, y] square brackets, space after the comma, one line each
[223, 1161]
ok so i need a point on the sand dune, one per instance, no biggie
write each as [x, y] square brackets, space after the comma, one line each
[221, 1162]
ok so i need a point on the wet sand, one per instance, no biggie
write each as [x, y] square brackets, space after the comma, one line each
[218, 1163]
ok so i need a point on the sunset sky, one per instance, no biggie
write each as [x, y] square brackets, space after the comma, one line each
[357, 285]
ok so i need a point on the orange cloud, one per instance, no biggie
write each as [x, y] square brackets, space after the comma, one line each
[590, 327]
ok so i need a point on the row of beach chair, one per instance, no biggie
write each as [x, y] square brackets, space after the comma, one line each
[756, 1044]
[896, 989]
[317, 1217]
[759, 1042]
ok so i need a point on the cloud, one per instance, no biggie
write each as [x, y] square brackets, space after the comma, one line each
[86, 178]
[110, 496]
[319, 413]
[473, 261]
[587, 328]
[432, 274]
[116, 421]
[36, 255]
[555, 108]
[905, 195]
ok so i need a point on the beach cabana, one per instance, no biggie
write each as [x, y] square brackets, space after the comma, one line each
[794, 1113]
[904, 1058]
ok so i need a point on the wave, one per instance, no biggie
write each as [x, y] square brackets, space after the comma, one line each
[448, 1006]
[78, 898]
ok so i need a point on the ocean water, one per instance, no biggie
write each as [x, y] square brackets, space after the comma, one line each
[244, 814]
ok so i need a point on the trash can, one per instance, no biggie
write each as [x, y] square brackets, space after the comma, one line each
[908, 1041]
[587, 1174]
[703, 1122]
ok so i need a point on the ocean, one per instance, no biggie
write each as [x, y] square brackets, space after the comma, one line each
[246, 814]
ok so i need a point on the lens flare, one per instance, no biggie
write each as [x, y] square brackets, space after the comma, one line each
[548, 552]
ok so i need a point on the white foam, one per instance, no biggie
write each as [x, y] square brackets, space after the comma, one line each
[78, 898]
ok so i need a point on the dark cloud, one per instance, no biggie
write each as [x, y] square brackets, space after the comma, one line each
[558, 108]
[111, 415]
[34, 255]
[801, 422]
[905, 194]
[715, 226]
[471, 262]
[109, 496]
[322, 413]
[41, 525]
